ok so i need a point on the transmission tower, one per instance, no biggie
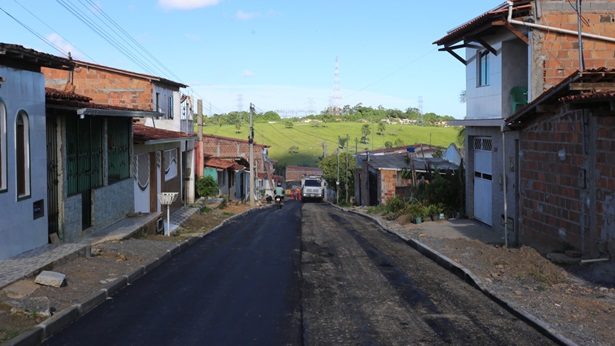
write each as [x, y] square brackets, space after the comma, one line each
[335, 105]
[421, 109]
[240, 102]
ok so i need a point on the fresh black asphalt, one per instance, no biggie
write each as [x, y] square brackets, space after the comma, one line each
[237, 286]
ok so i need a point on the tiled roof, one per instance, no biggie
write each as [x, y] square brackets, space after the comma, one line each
[215, 162]
[55, 94]
[563, 93]
[142, 133]
[231, 139]
[31, 56]
[498, 13]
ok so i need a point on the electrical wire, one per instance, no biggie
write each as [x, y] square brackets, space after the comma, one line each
[51, 28]
[42, 38]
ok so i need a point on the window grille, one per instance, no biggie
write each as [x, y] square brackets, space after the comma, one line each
[118, 144]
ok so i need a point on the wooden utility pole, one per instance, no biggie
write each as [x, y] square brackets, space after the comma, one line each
[337, 182]
[251, 142]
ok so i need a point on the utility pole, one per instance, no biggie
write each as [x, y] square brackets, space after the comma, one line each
[337, 182]
[580, 33]
[251, 142]
[346, 171]
[199, 110]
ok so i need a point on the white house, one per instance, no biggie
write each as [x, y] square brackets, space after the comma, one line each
[23, 158]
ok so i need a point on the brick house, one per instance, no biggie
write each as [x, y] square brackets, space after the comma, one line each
[567, 171]
[383, 176]
[116, 87]
[156, 167]
[512, 54]
[231, 176]
[294, 174]
[90, 163]
[234, 149]
[23, 155]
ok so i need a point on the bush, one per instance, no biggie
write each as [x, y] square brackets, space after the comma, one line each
[206, 187]
[395, 205]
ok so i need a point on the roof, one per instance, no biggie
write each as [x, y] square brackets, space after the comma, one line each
[418, 147]
[403, 162]
[14, 52]
[144, 134]
[589, 86]
[130, 73]
[231, 139]
[81, 104]
[215, 162]
[295, 173]
[484, 21]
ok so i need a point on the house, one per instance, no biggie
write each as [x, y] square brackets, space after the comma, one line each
[378, 178]
[23, 148]
[567, 171]
[234, 149]
[120, 88]
[231, 176]
[90, 163]
[294, 174]
[512, 54]
[156, 166]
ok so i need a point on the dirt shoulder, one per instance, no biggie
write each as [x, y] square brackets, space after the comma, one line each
[25, 303]
[580, 310]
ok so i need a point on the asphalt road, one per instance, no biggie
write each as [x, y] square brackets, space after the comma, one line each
[237, 286]
[364, 286]
[309, 275]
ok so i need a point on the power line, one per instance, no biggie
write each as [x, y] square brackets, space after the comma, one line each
[42, 38]
[50, 28]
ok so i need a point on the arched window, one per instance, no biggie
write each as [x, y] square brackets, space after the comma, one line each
[22, 154]
[3, 154]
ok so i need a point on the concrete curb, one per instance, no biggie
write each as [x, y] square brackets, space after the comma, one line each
[62, 319]
[467, 276]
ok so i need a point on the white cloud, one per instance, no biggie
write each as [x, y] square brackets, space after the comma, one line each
[186, 4]
[243, 15]
[61, 43]
[247, 73]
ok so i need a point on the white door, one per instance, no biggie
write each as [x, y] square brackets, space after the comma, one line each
[483, 178]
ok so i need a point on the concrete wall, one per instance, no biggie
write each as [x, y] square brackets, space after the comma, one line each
[71, 219]
[514, 71]
[480, 99]
[19, 231]
[112, 202]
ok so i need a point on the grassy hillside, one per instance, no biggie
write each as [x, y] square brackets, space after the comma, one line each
[309, 139]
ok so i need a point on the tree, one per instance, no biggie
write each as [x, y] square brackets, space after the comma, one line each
[388, 144]
[399, 142]
[289, 124]
[381, 128]
[365, 131]
[293, 149]
[329, 166]
[207, 186]
[342, 141]
[238, 126]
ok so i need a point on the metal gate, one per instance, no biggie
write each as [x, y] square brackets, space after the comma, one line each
[483, 179]
[53, 213]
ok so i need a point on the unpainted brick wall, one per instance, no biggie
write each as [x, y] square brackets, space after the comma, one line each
[388, 179]
[104, 87]
[605, 171]
[559, 52]
[221, 147]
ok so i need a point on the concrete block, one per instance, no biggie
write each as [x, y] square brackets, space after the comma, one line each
[93, 301]
[30, 337]
[60, 320]
[49, 278]
[116, 286]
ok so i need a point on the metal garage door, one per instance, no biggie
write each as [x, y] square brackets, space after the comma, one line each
[483, 178]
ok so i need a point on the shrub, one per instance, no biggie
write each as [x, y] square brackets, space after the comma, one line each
[206, 187]
[395, 205]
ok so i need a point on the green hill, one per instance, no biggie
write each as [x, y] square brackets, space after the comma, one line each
[309, 139]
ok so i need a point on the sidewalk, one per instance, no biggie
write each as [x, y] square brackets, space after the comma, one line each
[575, 309]
[31, 262]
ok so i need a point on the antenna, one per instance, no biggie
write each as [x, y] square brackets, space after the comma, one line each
[335, 105]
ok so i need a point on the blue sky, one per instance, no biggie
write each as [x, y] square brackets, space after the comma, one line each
[279, 55]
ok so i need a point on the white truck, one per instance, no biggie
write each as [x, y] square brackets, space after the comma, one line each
[313, 188]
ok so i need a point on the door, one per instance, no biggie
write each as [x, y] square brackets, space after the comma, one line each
[52, 176]
[483, 178]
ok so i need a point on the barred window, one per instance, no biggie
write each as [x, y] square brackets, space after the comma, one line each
[3, 154]
[22, 154]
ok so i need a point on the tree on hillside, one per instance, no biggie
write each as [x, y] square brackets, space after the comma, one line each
[399, 142]
[289, 124]
[388, 144]
[381, 128]
[365, 131]
[342, 141]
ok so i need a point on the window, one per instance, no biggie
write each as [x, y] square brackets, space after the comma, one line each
[84, 145]
[170, 107]
[3, 154]
[157, 102]
[22, 154]
[483, 68]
